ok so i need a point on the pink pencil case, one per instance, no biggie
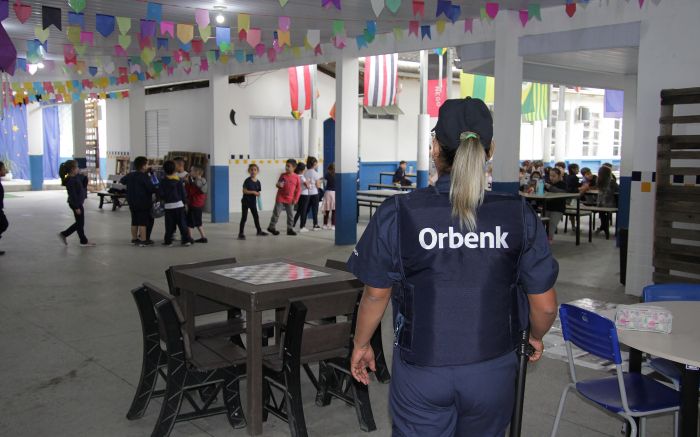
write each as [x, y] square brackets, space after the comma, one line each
[644, 318]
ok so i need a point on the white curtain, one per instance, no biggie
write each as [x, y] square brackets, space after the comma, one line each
[262, 138]
[275, 138]
[289, 138]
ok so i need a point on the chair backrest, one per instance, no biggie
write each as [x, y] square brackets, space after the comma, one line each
[667, 292]
[202, 306]
[338, 265]
[311, 342]
[169, 318]
[589, 331]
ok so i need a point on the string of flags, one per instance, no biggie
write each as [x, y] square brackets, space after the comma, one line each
[166, 46]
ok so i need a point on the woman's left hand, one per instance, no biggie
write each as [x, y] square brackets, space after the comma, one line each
[362, 358]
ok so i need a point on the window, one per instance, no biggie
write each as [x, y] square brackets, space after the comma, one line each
[275, 138]
[617, 137]
[157, 133]
[591, 134]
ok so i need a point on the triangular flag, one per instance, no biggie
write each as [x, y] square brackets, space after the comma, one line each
[81, 49]
[492, 9]
[260, 49]
[393, 5]
[398, 33]
[124, 25]
[87, 38]
[104, 24]
[283, 3]
[377, 6]
[77, 5]
[425, 31]
[338, 27]
[328, 3]
[93, 71]
[318, 51]
[468, 25]
[155, 12]
[271, 55]
[223, 35]
[197, 46]
[205, 33]
[144, 41]
[570, 9]
[148, 28]
[185, 32]
[313, 37]
[484, 15]
[41, 34]
[147, 55]
[167, 28]
[534, 11]
[524, 16]
[254, 36]
[119, 50]
[419, 8]
[201, 17]
[51, 17]
[76, 19]
[284, 23]
[73, 34]
[125, 41]
[413, 27]
[443, 7]
[440, 26]
[243, 22]
[360, 40]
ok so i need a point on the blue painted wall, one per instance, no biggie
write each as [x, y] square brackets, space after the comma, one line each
[219, 193]
[369, 172]
[36, 171]
[346, 209]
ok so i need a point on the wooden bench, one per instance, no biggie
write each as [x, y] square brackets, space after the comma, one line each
[391, 175]
[116, 199]
[392, 187]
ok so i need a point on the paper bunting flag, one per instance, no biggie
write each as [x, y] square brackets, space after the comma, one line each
[254, 36]
[283, 3]
[360, 40]
[413, 27]
[144, 41]
[81, 49]
[186, 48]
[455, 12]
[377, 6]
[641, 3]
[93, 71]
[284, 39]
[242, 35]
[260, 49]
[109, 69]
[398, 33]
[76, 19]
[443, 7]
[51, 17]
[148, 28]
[570, 9]
[212, 55]
[313, 37]
[284, 23]
[371, 30]
[328, 3]
[162, 43]
[125, 41]
[534, 11]
[69, 55]
[205, 33]
[87, 38]
[41, 34]
[147, 55]
[201, 17]
[338, 27]
[197, 46]
[32, 69]
[21, 66]
[243, 22]
[155, 12]
[484, 15]
[271, 55]
[34, 54]
[492, 9]
[104, 24]
[23, 12]
[223, 35]
[440, 26]
[469, 25]
[223, 59]
[185, 32]
[250, 58]
[393, 5]
[177, 54]
[73, 34]
[524, 16]
[48, 87]
[77, 5]
[339, 42]
[425, 31]
[419, 8]
[318, 51]
[167, 28]
[239, 55]
[204, 65]
[166, 60]
[124, 25]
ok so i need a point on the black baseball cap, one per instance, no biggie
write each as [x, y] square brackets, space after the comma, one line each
[458, 116]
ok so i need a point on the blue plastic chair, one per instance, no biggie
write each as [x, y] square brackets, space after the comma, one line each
[630, 395]
[664, 293]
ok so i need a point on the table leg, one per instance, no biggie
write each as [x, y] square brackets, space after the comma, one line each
[279, 321]
[635, 366]
[254, 371]
[690, 377]
[578, 220]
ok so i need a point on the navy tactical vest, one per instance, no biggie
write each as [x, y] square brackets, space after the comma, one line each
[458, 300]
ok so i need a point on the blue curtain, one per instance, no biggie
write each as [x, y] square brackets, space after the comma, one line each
[14, 145]
[52, 142]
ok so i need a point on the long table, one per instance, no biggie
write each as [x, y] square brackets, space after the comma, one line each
[256, 287]
[552, 196]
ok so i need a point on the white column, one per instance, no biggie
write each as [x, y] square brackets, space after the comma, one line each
[220, 151]
[423, 158]
[79, 131]
[137, 121]
[560, 147]
[346, 149]
[314, 143]
[508, 69]
[629, 126]
[35, 139]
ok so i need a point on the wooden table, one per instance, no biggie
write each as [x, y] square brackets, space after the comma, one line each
[551, 196]
[254, 299]
[681, 346]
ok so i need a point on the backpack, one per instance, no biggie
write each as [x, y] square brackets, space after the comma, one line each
[63, 171]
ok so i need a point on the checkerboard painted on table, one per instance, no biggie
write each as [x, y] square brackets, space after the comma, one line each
[271, 273]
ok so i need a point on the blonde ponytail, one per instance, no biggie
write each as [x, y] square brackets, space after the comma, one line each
[468, 180]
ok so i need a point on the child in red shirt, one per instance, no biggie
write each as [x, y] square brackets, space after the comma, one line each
[288, 192]
[196, 188]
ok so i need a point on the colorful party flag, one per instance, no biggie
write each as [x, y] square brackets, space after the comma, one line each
[167, 28]
[425, 31]
[254, 36]
[443, 7]
[361, 42]
[69, 55]
[201, 17]
[41, 34]
[381, 78]
[77, 5]
[223, 35]
[313, 37]
[419, 8]
[81, 49]
[243, 22]
[260, 49]
[328, 3]
[163, 43]
[534, 11]
[125, 41]
[144, 41]
[284, 39]
[93, 71]
[393, 5]
[197, 46]
[87, 38]
[413, 27]
[492, 9]
[301, 89]
[124, 25]
[570, 9]
[377, 6]
[185, 32]
[73, 34]
[148, 28]
[51, 17]
[284, 23]
[338, 27]
[76, 19]
[468, 25]
[104, 24]
[22, 11]
[205, 33]
[440, 26]
[155, 12]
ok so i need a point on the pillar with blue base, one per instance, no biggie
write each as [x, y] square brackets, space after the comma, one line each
[219, 155]
[218, 183]
[36, 172]
[346, 153]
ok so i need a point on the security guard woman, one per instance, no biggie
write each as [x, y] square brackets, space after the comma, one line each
[469, 269]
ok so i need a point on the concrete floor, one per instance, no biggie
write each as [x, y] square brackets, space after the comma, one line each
[71, 342]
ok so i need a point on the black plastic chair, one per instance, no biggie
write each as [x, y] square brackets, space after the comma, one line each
[382, 374]
[327, 343]
[210, 365]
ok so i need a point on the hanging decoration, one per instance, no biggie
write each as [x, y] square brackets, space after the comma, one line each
[419, 8]
[41, 34]
[201, 17]
[570, 8]
[534, 11]
[104, 24]
[469, 25]
[167, 28]
[301, 89]
[425, 31]
[22, 11]
[76, 19]
[377, 7]
[393, 5]
[124, 25]
[328, 3]
[155, 12]
[185, 33]
[524, 16]
[413, 27]
[77, 5]
[381, 78]
[51, 16]
[492, 10]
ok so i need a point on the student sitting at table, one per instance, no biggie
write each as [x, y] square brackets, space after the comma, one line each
[610, 166]
[589, 178]
[561, 165]
[572, 182]
[607, 188]
[400, 176]
[555, 207]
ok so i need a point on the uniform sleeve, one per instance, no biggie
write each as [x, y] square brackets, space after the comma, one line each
[374, 259]
[538, 268]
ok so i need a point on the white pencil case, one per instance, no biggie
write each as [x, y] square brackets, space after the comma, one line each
[644, 318]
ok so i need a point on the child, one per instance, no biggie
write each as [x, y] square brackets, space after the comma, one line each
[313, 182]
[399, 177]
[180, 168]
[572, 183]
[556, 207]
[197, 189]
[3, 220]
[288, 192]
[139, 194]
[329, 198]
[251, 192]
[304, 197]
[606, 197]
[173, 194]
[76, 185]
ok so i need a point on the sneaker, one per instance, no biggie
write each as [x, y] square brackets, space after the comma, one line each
[316, 228]
[325, 227]
[241, 237]
[2, 252]
[273, 231]
[201, 240]
[186, 243]
[167, 244]
[291, 232]
[136, 242]
[88, 244]
[332, 227]
[303, 230]
[262, 234]
[147, 243]
[62, 238]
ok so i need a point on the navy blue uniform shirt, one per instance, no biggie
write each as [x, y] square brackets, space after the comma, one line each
[375, 258]
[250, 185]
[172, 190]
[139, 190]
[77, 190]
[2, 196]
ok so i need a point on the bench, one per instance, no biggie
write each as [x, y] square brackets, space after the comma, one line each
[370, 202]
[600, 210]
[391, 175]
[116, 199]
[570, 214]
[391, 187]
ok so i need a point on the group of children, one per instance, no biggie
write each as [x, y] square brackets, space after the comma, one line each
[557, 180]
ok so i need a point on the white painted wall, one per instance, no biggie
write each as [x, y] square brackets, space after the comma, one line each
[65, 121]
[35, 129]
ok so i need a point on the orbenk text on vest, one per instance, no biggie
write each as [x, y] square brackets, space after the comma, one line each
[430, 239]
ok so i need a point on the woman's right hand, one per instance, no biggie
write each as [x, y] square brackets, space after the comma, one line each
[362, 358]
[538, 345]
